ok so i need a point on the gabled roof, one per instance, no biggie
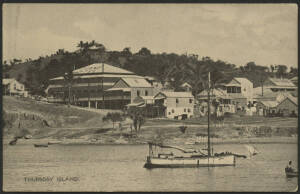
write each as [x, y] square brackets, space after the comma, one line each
[136, 83]
[97, 76]
[258, 90]
[243, 80]
[290, 98]
[279, 96]
[294, 79]
[214, 93]
[239, 80]
[6, 81]
[185, 84]
[97, 68]
[271, 104]
[150, 78]
[176, 94]
[282, 82]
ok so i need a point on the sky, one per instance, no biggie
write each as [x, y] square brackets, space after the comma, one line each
[235, 33]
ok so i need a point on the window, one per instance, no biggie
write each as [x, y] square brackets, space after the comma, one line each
[15, 86]
[189, 110]
[177, 101]
[184, 110]
[228, 89]
[169, 113]
[146, 93]
[191, 101]
[239, 90]
[173, 111]
[138, 93]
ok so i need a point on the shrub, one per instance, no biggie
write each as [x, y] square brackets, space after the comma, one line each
[182, 129]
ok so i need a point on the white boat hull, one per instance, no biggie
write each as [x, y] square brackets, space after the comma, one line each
[155, 162]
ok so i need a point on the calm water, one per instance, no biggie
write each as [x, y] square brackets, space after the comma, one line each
[120, 168]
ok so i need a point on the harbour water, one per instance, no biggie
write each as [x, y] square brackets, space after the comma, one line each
[120, 168]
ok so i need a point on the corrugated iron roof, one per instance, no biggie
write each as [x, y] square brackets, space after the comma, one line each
[240, 80]
[271, 104]
[293, 99]
[97, 68]
[215, 93]
[294, 79]
[121, 89]
[282, 82]
[103, 75]
[148, 97]
[137, 83]
[6, 81]
[177, 94]
[185, 84]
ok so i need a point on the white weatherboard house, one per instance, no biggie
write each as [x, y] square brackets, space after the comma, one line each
[178, 104]
[127, 89]
[13, 87]
[240, 90]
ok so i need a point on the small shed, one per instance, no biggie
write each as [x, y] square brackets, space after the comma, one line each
[289, 106]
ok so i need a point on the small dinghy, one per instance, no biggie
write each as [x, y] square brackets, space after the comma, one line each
[13, 142]
[290, 173]
[41, 145]
[54, 142]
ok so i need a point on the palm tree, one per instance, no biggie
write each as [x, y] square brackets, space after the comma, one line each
[80, 45]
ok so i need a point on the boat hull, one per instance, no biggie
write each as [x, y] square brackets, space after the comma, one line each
[41, 145]
[155, 162]
[291, 174]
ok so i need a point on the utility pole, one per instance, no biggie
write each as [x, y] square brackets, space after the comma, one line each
[102, 86]
[208, 116]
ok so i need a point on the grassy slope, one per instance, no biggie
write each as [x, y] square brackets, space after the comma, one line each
[56, 114]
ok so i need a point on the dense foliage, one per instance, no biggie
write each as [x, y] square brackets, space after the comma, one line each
[165, 67]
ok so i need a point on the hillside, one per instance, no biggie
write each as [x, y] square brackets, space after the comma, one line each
[26, 114]
[177, 69]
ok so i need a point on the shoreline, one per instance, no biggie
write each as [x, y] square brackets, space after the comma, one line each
[219, 141]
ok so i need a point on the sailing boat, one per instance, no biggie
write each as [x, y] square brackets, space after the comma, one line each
[195, 158]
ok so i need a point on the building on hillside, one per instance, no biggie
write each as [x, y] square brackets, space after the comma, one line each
[187, 87]
[221, 96]
[13, 87]
[125, 91]
[88, 85]
[271, 96]
[288, 106]
[147, 105]
[240, 90]
[279, 84]
[179, 105]
[266, 108]
[295, 80]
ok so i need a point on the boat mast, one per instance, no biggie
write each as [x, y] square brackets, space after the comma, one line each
[208, 116]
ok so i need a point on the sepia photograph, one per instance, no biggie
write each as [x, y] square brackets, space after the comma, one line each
[150, 97]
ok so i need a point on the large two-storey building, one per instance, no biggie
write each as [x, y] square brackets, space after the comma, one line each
[89, 85]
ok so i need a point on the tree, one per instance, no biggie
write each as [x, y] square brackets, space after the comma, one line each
[138, 119]
[144, 52]
[113, 117]
[281, 71]
[250, 66]
[126, 52]
[293, 71]
[182, 128]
